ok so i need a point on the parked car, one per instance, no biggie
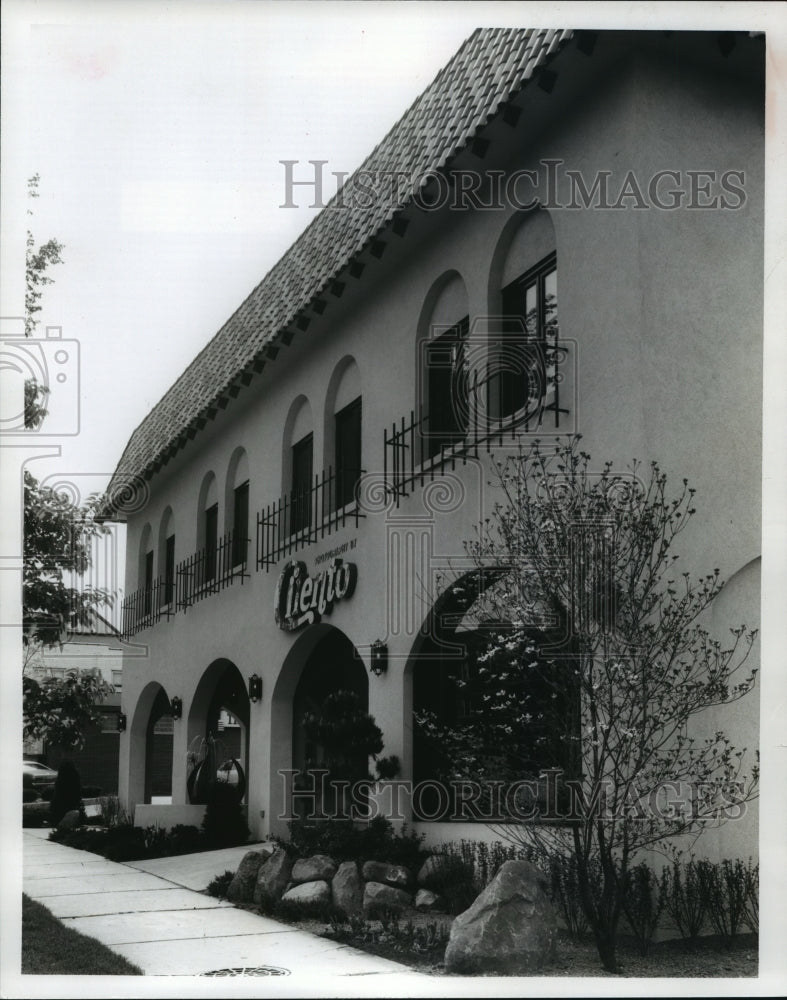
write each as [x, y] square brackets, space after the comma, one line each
[39, 773]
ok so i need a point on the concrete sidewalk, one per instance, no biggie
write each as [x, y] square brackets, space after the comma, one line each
[162, 924]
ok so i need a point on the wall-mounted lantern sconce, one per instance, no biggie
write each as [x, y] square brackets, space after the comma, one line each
[255, 687]
[176, 708]
[379, 657]
[121, 723]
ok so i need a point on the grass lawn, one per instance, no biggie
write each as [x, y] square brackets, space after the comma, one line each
[51, 949]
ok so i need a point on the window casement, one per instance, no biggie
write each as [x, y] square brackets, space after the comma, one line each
[240, 523]
[447, 402]
[522, 365]
[211, 540]
[348, 452]
[302, 452]
[148, 585]
[169, 570]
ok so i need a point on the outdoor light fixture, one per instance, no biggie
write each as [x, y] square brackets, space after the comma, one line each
[255, 687]
[176, 708]
[121, 723]
[379, 657]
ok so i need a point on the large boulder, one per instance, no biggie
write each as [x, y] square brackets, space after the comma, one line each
[428, 901]
[70, 821]
[308, 892]
[273, 877]
[241, 888]
[510, 929]
[317, 868]
[379, 871]
[347, 888]
[376, 896]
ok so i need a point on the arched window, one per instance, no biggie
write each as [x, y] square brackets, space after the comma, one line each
[166, 557]
[145, 576]
[492, 701]
[237, 506]
[208, 527]
[443, 365]
[524, 354]
[298, 464]
[343, 432]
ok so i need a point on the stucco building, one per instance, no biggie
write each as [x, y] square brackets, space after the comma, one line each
[595, 198]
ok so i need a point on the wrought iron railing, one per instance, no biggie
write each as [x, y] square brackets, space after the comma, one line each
[210, 570]
[300, 518]
[415, 451]
[148, 605]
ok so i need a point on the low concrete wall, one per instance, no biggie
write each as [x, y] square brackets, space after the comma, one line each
[167, 816]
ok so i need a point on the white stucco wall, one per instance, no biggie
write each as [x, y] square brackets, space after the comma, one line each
[662, 313]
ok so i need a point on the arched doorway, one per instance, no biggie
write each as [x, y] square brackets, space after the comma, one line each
[158, 751]
[220, 710]
[321, 663]
[150, 747]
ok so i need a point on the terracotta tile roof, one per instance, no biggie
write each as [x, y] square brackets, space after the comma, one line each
[487, 71]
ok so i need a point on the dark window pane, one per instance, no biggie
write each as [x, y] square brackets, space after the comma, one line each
[211, 540]
[240, 524]
[518, 377]
[169, 570]
[148, 582]
[348, 452]
[446, 387]
[301, 483]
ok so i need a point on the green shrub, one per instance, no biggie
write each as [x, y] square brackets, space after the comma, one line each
[124, 843]
[112, 813]
[224, 824]
[184, 839]
[387, 768]
[344, 841]
[687, 896]
[219, 886]
[643, 902]
[455, 881]
[731, 887]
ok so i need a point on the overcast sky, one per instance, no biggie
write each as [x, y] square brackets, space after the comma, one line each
[157, 130]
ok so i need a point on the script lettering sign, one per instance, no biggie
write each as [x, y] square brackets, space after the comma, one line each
[302, 600]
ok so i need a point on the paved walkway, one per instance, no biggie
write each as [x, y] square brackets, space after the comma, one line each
[153, 914]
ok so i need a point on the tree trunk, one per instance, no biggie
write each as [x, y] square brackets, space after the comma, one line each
[606, 942]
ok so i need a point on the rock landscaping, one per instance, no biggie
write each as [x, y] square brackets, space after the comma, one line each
[509, 917]
[269, 874]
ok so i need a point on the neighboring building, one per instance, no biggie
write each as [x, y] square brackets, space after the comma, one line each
[301, 433]
[95, 648]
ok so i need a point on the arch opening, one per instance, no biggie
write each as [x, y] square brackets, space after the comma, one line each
[469, 657]
[322, 677]
[220, 712]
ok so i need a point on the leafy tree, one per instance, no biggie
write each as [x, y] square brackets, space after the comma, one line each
[343, 735]
[57, 551]
[37, 262]
[612, 691]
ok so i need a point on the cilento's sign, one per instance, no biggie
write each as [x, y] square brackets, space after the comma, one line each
[302, 600]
